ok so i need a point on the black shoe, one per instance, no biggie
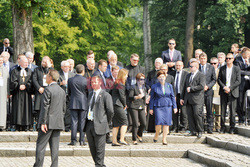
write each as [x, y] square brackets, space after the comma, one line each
[174, 129]
[155, 141]
[139, 138]
[165, 143]
[191, 134]
[231, 131]
[199, 135]
[83, 143]
[223, 130]
[108, 141]
[182, 130]
[209, 131]
[114, 144]
[123, 143]
[67, 130]
[72, 144]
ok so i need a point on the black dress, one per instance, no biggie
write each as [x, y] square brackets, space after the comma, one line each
[119, 102]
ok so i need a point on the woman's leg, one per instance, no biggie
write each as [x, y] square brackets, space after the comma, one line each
[165, 133]
[114, 134]
[142, 120]
[135, 123]
[157, 131]
[123, 130]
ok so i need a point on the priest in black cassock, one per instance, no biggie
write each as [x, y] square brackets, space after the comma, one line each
[21, 90]
[39, 82]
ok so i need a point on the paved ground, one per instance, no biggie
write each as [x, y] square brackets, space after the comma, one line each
[109, 162]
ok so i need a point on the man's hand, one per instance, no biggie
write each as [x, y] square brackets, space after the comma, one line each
[206, 88]
[170, 64]
[44, 128]
[63, 82]
[22, 87]
[41, 90]
[175, 110]
[147, 100]
[188, 89]
[181, 102]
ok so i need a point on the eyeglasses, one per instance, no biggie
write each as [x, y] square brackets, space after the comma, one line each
[142, 79]
[229, 58]
[135, 60]
[171, 43]
[6, 43]
[191, 66]
[213, 63]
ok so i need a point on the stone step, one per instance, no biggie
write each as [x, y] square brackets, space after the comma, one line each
[234, 142]
[65, 137]
[218, 157]
[79, 161]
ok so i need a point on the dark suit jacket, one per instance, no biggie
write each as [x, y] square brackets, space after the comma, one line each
[98, 73]
[210, 79]
[53, 107]
[182, 80]
[103, 112]
[235, 80]
[33, 66]
[10, 51]
[108, 73]
[62, 77]
[133, 71]
[151, 79]
[77, 90]
[136, 103]
[166, 57]
[244, 71]
[119, 95]
[196, 94]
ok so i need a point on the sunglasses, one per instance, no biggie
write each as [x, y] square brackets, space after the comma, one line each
[171, 43]
[213, 63]
[229, 58]
[135, 60]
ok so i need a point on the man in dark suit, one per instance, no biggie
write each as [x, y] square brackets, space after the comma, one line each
[50, 120]
[77, 91]
[221, 58]
[30, 57]
[112, 61]
[65, 74]
[209, 72]
[100, 113]
[72, 65]
[118, 63]
[102, 67]
[171, 55]
[193, 97]
[229, 80]
[89, 69]
[180, 77]
[242, 62]
[7, 48]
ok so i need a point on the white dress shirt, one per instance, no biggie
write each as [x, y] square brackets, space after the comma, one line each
[228, 76]
[179, 80]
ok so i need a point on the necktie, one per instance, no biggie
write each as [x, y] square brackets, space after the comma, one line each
[191, 78]
[92, 102]
[104, 80]
[177, 82]
[4, 64]
[203, 69]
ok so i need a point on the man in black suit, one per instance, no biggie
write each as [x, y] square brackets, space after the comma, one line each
[65, 74]
[171, 55]
[39, 83]
[229, 80]
[100, 113]
[77, 91]
[221, 58]
[7, 48]
[102, 67]
[111, 52]
[180, 77]
[193, 97]
[209, 72]
[30, 57]
[72, 65]
[242, 62]
[89, 69]
[51, 120]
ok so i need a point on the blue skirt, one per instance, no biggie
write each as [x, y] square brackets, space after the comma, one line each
[163, 115]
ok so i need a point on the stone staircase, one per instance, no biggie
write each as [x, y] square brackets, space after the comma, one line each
[18, 149]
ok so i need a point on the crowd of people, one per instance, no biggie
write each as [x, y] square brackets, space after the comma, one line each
[192, 99]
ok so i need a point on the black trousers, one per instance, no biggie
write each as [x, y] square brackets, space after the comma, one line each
[138, 122]
[195, 117]
[240, 105]
[67, 116]
[53, 137]
[224, 100]
[96, 144]
[182, 114]
[77, 120]
[208, 101]
[129, 118]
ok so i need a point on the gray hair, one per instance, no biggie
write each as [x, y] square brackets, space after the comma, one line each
[221, 53]
[71, 60]
[5, 54]
[159, 60]
[29, 54]
[192, 59]
[63, 63]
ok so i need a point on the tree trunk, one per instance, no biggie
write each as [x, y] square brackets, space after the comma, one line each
[147, 37]
[22, 31]
[189, 46]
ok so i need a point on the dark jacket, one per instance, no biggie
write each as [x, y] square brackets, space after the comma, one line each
[137, 103]
[210, 79]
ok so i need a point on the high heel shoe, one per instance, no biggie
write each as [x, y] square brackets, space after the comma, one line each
[165, 143]
[139, 138]
[154, 140]
[135, 143]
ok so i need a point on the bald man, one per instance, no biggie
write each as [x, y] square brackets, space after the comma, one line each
[7, 48]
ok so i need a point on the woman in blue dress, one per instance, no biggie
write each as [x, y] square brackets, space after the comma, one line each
[162, 103]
